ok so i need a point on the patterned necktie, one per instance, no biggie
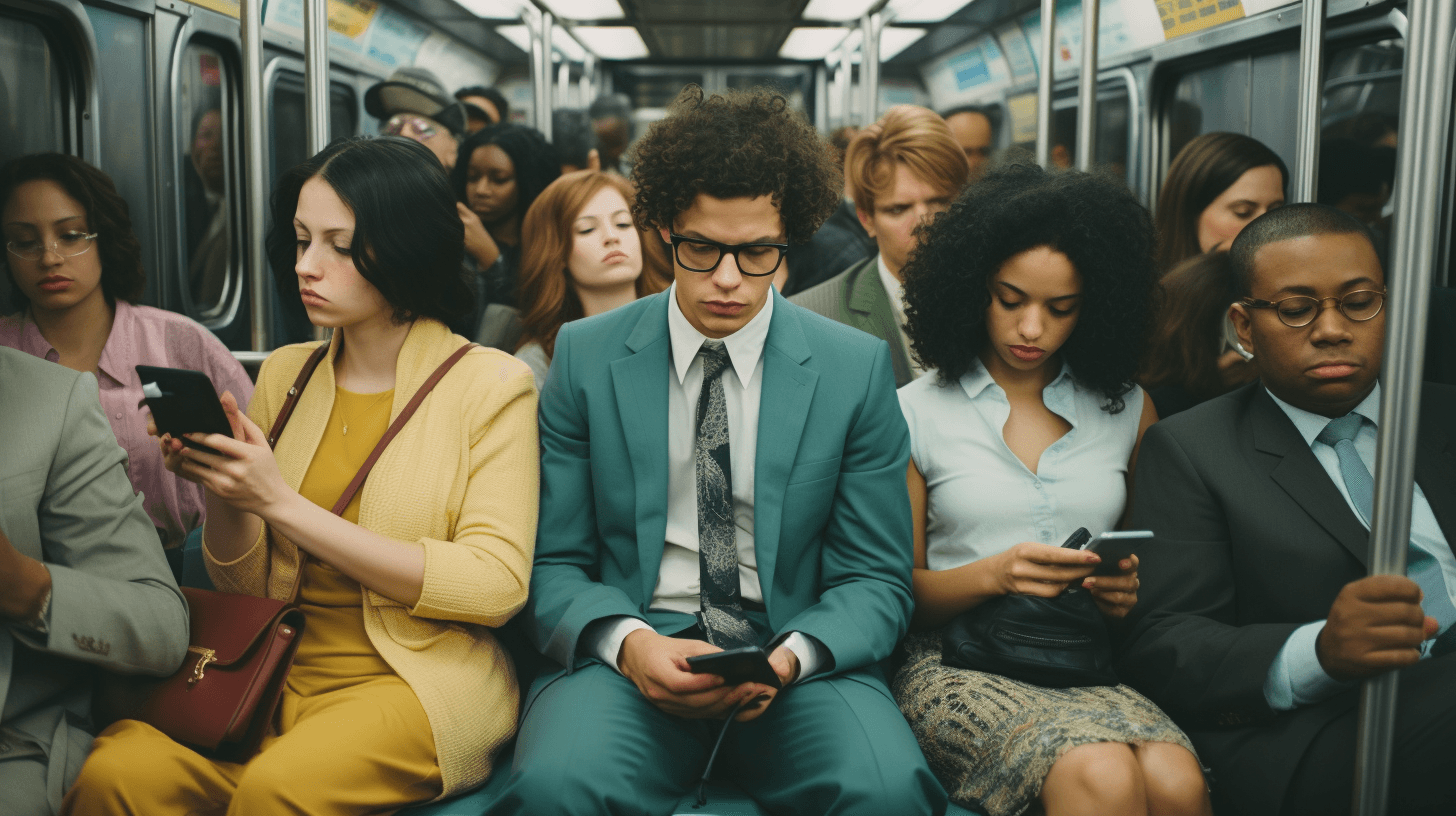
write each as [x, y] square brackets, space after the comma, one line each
[722, 611]
[1421, 566]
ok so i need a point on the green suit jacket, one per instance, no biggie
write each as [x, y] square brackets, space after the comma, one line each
[856, 297]
[831, 513]
[65, 500]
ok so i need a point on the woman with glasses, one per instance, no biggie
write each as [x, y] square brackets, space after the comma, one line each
[498, 175]
[1031, 298]
[582, 256]
[75, 271]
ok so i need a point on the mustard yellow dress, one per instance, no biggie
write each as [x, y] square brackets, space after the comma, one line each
[351, 736]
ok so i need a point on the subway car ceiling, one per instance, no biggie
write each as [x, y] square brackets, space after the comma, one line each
[150, 90]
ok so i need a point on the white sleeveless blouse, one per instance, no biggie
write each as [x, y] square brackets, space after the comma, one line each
[982, 500]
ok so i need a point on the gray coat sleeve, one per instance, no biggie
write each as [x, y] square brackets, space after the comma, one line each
[114, 602]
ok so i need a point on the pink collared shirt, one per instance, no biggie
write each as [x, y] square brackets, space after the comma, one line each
[147, 336]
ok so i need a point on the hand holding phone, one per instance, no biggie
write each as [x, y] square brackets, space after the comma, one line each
[746, 665]
[1114, 547]
[183, 401]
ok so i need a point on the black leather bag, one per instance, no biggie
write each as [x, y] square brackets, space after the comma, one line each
[1053, 642]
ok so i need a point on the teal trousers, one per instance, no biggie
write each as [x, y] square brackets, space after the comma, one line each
[590, 743]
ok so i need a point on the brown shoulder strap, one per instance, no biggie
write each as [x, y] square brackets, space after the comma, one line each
[295, 392]
[398, 425]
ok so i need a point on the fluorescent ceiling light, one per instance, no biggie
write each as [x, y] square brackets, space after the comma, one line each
[495, 9]
[839, 10]
[585, 9]
[517, 34]
[812, 43]
[569, 48]
[924, 11]
[893, 40]
[612, 42]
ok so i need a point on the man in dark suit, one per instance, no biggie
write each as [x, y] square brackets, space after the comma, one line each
[902, 171]
[720, 469]
[1256, 618]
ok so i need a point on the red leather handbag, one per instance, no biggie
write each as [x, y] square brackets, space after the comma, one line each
[241, 646]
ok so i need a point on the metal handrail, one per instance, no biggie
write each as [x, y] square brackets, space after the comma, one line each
[869, 65]
[255, 185]
[316, 73]
[539, 22]
[1311, 72]
[1424, 114]
[1044, 82]
[1087, 87]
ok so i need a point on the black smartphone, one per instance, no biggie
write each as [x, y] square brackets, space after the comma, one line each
[183, 401]
[1077, 540]
[1115, 546]
[746, 665]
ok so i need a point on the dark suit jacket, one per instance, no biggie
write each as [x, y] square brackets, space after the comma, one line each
[1253, 541]
[831, 515]
[841, 243]
[858, 298]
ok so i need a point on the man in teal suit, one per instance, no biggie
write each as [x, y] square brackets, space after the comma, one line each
[721, 468]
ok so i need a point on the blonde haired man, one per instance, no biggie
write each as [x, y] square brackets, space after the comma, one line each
[901, 171]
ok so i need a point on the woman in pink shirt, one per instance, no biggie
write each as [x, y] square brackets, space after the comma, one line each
[75, 270]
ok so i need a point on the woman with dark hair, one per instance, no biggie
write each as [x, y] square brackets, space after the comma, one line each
[1217, 184]
[1030, 298]
[1190, 358]
[75, 270]
[399, 692]
[583, 256]
[497, 176]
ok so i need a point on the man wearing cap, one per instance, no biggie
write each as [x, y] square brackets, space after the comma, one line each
[412, 103]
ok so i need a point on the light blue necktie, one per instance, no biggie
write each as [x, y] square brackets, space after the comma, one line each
[1421, 566]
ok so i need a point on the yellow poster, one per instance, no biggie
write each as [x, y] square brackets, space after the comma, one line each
[1023, 118]
[351, 18]
[228, 7]
[1181, 17]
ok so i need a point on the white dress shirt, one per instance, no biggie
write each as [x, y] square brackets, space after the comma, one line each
[895, 288]
[678, 580]
[1296, 677]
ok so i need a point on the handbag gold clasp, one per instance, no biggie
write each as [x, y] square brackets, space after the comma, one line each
[206, 656]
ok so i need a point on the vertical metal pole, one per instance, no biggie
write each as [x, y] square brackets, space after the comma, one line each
[1087, 88]
[869, 66]
[316, 72]
[255, 184]
[541, 71]
[588, 69]
[563, 84]
[1311, 74]
[846, 89]
[1424, 112]
[1044, 82]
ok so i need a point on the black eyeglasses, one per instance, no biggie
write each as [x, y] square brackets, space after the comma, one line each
[702, 255]
[1301, 310]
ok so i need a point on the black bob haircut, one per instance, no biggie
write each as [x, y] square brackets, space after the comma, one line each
[1284, 224]
[408, 239]
[738, 144]
[1092, 219]
[531, 155]
[107, 215]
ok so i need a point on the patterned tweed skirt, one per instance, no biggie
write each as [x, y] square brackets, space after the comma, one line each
[992, 740]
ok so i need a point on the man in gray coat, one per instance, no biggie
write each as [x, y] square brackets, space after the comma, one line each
[83, 580]
[902, 171]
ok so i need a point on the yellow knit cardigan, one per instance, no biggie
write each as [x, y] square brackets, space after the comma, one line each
[462, 478]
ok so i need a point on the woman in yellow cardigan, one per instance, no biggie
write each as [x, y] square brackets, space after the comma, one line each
[400, 693]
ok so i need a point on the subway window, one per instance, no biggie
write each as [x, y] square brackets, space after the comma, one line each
[33, 95]
[290, 119]
[205, 110]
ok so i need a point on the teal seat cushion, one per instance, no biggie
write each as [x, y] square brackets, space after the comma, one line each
[194, 571]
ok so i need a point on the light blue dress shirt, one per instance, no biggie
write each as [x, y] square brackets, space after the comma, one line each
[1296, 677]
[981, 499]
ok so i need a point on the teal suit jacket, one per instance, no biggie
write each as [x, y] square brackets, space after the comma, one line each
[831, 513]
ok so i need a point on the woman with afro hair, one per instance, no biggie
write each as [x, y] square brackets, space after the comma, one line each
[1028, 303]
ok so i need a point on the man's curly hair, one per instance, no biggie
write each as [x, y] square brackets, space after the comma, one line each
[1094, 220]
[739, 144]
